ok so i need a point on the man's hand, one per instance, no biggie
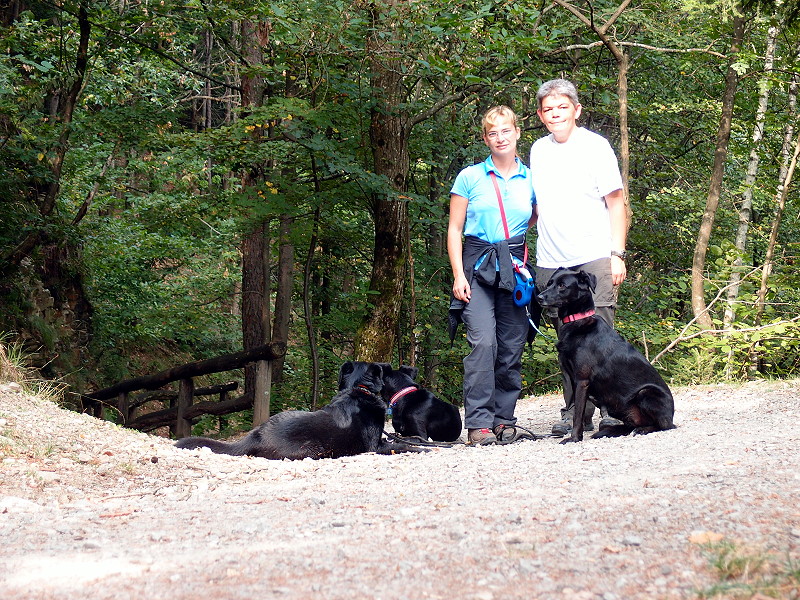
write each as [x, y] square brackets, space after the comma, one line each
[618, 270]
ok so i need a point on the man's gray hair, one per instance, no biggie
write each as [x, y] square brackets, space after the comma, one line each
[557, 87]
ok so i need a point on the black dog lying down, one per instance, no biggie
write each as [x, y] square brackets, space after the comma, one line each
[351, 424]
[416, 411]
[599, 363]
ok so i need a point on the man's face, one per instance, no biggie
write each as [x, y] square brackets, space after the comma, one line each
[502, 138]
[560, 116]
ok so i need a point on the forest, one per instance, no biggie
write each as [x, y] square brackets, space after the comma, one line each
[183, 179]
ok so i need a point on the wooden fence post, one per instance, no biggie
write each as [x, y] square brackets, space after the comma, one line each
[122, 407]
[261, 394]
[183, 426]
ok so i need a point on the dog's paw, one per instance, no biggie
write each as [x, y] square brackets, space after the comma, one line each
[569, 440]
[644, 430]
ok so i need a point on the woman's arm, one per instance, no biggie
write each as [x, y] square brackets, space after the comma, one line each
[455, 228]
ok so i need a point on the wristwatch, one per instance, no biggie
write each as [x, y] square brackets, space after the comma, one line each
[621, 254]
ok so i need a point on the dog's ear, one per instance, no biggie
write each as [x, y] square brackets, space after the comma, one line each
[410, 371]
[376, 372]
[344, 371]
[590, 279]
[386, 370]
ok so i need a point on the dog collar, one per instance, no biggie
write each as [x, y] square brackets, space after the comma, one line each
[393, 400]
[578, 316]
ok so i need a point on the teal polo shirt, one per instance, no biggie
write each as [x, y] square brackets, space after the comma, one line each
[483, 211]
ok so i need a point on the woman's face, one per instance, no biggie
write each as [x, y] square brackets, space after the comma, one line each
[560, 116]
[502, 137]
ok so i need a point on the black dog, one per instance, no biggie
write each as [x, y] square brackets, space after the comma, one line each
[416, 411]
[599, 363]
[351, 424]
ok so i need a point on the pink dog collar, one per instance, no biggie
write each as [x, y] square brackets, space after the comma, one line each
[400, 394]
[577, 317]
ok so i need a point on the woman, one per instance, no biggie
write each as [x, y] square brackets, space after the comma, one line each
[483, 275]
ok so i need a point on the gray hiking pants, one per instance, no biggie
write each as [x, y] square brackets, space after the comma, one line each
[497, 330]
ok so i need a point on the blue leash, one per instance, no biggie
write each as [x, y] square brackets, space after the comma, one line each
[535, 328]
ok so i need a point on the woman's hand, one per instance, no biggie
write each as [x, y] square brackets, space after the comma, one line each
[461, 289]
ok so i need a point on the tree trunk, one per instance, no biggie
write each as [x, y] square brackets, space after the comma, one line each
[52, 239]
[283, 296]
[413, 341]
[389, 134]
[699, 308]
[255, 245]
[308, 312]
[784, 178]
[783, 188]
[255, 297]
[624, 133]
[746, 208]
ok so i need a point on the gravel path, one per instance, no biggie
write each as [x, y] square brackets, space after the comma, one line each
[91, 510]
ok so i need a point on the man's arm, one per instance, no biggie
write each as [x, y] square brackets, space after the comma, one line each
[615, 201]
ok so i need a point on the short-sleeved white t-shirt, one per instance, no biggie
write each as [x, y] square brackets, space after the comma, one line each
[570, 181]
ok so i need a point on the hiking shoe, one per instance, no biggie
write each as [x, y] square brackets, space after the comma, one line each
[564, 426]
[481, 437]
[606, 420]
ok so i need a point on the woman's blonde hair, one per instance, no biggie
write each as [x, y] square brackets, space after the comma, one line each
[496, 114]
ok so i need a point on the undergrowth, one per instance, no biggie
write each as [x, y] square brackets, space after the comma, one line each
[750, 573]
[14, 369]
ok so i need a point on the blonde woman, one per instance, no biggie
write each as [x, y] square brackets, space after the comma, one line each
[491, 209]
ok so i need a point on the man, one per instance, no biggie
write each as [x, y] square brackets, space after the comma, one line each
[581, 212]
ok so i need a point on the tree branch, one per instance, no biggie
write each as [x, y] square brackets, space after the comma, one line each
[636, 45]
[152, 49]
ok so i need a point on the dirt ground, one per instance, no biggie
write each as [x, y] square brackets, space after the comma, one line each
[91, 510]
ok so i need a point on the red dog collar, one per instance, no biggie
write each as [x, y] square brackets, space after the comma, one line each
[577, 317]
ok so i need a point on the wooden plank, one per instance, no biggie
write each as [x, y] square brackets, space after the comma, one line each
[171, 395]
[226, 362]
[167, 416]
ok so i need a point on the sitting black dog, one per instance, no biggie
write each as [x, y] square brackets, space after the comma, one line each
[416, 411]
[599, 363]
[351, 424]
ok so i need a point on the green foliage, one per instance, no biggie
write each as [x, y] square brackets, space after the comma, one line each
[750, 572]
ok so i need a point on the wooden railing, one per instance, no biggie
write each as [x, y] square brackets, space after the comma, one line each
[182, 409]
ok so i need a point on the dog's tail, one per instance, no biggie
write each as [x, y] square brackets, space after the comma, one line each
[239, 448]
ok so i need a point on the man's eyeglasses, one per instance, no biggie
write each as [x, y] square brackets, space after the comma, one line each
[505, 133]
